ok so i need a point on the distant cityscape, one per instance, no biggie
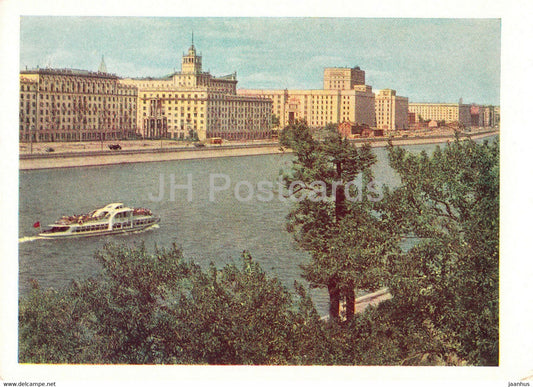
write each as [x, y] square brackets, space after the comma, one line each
[81, 105]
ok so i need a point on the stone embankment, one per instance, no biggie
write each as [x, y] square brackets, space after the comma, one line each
[35, 156]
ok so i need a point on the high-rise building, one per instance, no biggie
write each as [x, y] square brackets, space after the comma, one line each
[391, 111]
[345, 99]
[75, 105]
[343, 78]
[194, 103]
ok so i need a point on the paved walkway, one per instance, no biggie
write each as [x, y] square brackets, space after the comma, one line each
[375, 298]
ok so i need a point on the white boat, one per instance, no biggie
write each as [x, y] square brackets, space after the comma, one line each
[114, 218]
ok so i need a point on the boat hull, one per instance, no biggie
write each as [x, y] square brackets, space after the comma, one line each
[71, 234]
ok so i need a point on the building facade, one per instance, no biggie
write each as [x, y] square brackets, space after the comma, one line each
[321, 107]
[485, 116]
[75, 105]
[391, 111]
[193, 103]
[496, 116]
[490, 115]
[476, 115]
[343, 78]
[350, 130]
[447, 112]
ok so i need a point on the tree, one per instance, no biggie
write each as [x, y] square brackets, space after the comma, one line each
[155, 308]
[446, 286]
[343, 236]
[193, 135]
[275, 121]
[50, 328]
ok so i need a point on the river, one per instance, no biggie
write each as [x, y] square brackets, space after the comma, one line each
[210, 226]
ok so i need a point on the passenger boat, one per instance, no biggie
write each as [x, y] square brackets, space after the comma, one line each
[114, 218]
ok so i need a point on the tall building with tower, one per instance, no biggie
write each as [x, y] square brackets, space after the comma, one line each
[193, 103]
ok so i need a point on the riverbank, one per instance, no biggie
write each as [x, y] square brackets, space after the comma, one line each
[69, 155]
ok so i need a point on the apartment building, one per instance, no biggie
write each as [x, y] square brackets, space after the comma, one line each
[447, 112]
[75, 105]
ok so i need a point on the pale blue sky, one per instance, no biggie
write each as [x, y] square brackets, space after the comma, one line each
[427, 60]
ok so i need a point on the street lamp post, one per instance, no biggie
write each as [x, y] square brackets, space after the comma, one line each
[160, 127]
[31, 138]
[100, 131]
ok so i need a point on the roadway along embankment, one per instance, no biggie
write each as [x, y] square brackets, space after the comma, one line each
[98, 158]
[108, 157]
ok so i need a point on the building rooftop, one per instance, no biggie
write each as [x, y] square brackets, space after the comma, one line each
[75, 72]
[343, 67]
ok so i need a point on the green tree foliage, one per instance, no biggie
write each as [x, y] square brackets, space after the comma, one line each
[446, 287]
[275, 121]
[193, 135]
[157, 308]
[334, 219]
[52, 329]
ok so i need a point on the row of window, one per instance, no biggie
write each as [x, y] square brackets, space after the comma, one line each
[175, 96]
[76, 98]
[75, 136]
[119, 91]
[182, 122]
[119, 110]
[169, 102]
[68, 127]
[84, 120]
[170, 108]
[93, 227]
[80, 87]
[53, 117]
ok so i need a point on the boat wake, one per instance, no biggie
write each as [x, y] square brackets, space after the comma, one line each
[152, 227]
[29, 239]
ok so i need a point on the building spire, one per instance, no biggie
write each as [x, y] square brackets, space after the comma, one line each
[192, 38]
[102, 68]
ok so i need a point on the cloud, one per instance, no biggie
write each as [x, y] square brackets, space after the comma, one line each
[405, 54]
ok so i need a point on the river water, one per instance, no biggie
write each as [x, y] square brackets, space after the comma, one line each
[210, 226]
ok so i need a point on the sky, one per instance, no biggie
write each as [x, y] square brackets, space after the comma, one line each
[426, 60]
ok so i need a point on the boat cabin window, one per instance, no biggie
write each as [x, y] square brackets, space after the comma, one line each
[59, 229]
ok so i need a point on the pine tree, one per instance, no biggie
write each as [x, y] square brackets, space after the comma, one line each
[333, 218]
